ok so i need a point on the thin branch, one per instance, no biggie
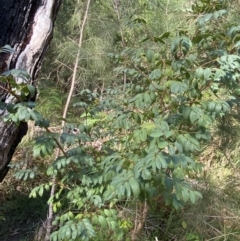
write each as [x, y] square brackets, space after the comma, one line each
[62, 64]
[57, 142]
[9, 91]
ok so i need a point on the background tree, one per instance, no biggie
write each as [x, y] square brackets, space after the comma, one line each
[27, 27]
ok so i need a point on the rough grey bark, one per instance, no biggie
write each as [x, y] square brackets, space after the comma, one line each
[25, 25]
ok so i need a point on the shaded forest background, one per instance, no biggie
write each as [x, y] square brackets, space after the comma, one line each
[151, 136]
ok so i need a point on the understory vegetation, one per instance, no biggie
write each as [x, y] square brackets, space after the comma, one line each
[135, 133]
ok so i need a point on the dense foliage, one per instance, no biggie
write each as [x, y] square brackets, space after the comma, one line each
[140, 139]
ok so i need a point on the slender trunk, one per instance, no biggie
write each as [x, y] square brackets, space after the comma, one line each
[50, 209]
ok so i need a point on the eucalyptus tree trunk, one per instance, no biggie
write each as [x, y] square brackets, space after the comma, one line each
[25, 25]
